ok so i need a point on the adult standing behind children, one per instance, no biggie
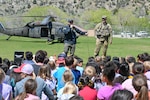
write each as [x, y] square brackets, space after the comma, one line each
[29, 93]
[103, 32]
[26, 72]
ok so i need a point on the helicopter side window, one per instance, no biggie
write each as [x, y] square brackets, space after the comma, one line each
[44, 32]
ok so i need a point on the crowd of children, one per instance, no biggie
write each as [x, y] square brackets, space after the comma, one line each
[62, 77]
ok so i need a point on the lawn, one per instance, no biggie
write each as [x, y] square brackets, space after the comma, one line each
[121, 47]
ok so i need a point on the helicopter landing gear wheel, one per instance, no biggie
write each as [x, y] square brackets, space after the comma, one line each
[49, 41]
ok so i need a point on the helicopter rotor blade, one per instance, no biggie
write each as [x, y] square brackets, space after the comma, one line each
[39, 16]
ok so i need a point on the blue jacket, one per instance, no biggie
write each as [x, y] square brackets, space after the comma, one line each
[70, 34]
[41, 86]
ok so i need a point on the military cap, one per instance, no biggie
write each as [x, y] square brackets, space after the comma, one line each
[70, 21]
[104, 17]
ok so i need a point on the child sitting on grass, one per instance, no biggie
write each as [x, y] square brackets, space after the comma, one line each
[108, 74]
[30, 91]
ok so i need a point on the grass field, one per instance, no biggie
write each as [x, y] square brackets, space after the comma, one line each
[120, 47]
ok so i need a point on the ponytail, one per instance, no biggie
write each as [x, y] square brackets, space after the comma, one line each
[143, 93]
[21, 96]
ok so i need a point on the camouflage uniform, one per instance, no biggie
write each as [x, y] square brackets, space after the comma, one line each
[103, 34]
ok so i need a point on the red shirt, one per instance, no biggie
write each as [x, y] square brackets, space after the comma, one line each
[88, 93]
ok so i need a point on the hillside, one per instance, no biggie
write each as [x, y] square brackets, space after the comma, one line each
[75, 7]
[124, 15]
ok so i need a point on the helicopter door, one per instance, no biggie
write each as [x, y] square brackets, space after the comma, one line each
[35, 32]
[44, 32]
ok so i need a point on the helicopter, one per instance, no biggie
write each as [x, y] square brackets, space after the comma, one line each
[47, 28]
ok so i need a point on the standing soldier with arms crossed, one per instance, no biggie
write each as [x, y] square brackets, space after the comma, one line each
[103, 33]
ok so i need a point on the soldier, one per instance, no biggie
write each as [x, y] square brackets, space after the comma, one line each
[103, 33]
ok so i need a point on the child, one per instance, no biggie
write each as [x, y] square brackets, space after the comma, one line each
[45, 73]
[91, 72]
[122, 95]
[139, 83]
[53, 67]
[69, 91]
[108, 74]
[138, 68]
[76, 97]
[67, 77]
[147, 69]
[5, 89]
[86, 87]
[124, 73]
[75, 72]
[79, 64]
[30, 91]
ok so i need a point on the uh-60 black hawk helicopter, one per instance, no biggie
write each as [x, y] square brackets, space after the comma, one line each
[47, 28]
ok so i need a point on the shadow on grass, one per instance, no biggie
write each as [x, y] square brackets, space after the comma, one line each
[30, 40]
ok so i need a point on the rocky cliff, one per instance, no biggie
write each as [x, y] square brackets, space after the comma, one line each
[11, 7]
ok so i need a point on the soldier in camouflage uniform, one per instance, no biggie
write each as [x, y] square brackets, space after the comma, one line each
[103, 34]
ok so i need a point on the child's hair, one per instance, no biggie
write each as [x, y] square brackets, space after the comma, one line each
[75, 63]
[28, 55]
[5, 67]
[30, 87]
[130, 59]
[67, 76]
[90, 71]
[85, 81]
[70, 88]
[124, 73]
[122, 95]
[2, 75]
[46, 60]
[147, 65]
[52, 65]
[6, 61]
[143, 57]
[124, 69]
[139, 83]
[98, 58]
[138, 68]
[44, 72]
[69, 60]
[122, 60]
[76, 97]
[115, 58]
[109, 70]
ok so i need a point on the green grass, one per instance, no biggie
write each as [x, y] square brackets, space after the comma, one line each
[121, 47]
